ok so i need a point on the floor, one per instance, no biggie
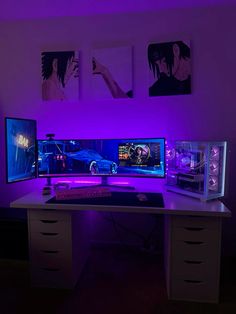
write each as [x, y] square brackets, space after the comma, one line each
[115, 280]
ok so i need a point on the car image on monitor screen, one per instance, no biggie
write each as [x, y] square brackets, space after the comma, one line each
[20, 149]
[102, 157]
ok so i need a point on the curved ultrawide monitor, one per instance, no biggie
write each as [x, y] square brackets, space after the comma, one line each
[143, 157]
[20, 149]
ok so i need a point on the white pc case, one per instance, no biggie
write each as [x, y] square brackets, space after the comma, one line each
[196, 168]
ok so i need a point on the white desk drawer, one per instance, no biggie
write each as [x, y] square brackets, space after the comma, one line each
[53, 277]
[51, 258]
[199, 269]
[194, 290]
[46, 225]
[50, 240]
[54, 215]
[195, 222]
[194, 250]
[195, 234]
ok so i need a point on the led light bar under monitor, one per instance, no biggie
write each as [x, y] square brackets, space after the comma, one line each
[20, 149]
[102, 157]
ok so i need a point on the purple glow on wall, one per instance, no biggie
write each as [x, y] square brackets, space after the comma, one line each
[27, 9]
[207, 114]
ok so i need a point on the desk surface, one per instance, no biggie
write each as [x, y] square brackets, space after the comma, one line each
[174, 204]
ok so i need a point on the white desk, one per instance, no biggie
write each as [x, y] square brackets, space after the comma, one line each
[59, 242]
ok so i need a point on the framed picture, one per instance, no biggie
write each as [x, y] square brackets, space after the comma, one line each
[169, 68]
[60, 75]
[112, 73]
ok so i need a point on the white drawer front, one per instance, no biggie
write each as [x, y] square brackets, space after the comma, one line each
[49, 225]
[199, 269]
[50, 240]
[195, 234]
[52, 277]
[48, 215]
[51, 258]
[194, 250]
[194, 290]
[195, 222]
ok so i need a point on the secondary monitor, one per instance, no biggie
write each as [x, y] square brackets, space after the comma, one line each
[20, 149]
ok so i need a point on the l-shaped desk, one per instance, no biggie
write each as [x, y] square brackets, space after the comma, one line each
[59, 240]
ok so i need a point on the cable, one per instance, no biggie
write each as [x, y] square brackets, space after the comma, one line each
[146, 239]
[112, 219]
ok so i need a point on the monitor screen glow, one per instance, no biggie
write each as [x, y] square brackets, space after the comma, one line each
[103, 157]
[20, 149]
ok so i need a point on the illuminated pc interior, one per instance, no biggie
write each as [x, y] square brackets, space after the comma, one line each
[197, 168]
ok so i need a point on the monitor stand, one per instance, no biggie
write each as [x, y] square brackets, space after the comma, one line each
[104, 183]
[47, 189]
[49, 181]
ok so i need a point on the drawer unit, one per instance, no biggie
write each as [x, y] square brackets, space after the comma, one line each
[193, 258]
[55, 242]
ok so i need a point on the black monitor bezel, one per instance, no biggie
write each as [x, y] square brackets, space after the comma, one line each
[35, 150]
[100, 174]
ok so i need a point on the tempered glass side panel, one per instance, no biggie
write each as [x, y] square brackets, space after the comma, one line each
[196, 168]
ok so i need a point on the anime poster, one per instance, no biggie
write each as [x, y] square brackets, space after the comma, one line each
[169, 68]
[60, 75]
[112, 73]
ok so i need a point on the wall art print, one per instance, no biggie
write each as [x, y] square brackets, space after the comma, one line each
[60, 75]
[112, 73]
[169, 68]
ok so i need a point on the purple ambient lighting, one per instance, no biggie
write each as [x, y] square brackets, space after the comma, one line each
[85, 181]
[43, 9]
[122, 182]
[68, 181]
[215, 152]
[213, 183]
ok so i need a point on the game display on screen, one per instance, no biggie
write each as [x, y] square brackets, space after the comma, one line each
[20, 149]
[124, 157]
